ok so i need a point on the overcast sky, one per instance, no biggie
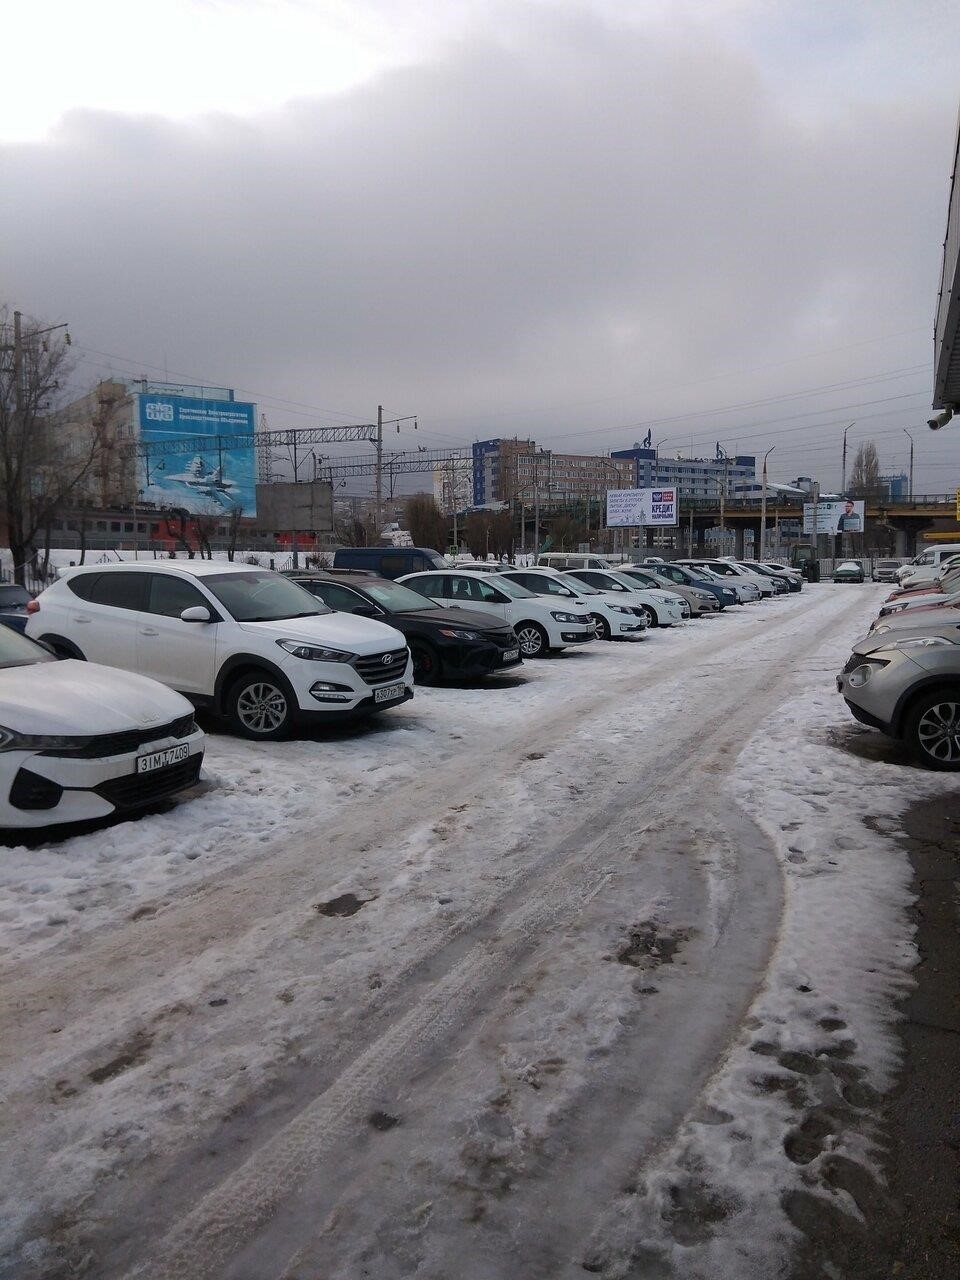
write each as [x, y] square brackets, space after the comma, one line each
[564, 220]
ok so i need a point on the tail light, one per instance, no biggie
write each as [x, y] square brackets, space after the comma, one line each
[33, 606]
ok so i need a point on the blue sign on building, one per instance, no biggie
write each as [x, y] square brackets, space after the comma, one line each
[202, 479]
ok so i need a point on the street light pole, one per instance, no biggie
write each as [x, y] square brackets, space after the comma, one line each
[843, 475]
[910, 438]
[763, 504]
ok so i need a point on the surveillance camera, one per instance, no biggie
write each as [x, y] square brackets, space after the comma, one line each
[940, 420]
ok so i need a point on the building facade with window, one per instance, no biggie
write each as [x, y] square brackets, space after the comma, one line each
[507, 470]
[698, 478]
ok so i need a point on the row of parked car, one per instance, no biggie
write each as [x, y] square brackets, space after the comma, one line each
[101, 674]
[903, 677]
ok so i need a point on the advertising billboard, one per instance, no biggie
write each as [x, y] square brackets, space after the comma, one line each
[202, 479]
[844, 515]
[629, 507]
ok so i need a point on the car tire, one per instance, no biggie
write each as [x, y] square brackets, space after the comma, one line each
[426, 662]
[931, 729]
[260, 706]
[63, 648]
[651, 617]
[534, 641]
[603, 626]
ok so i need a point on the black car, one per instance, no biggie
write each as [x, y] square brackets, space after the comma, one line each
[13, 606]
[452, 644]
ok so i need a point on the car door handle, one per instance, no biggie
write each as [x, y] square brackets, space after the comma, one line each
[78, 618]
[149, 631]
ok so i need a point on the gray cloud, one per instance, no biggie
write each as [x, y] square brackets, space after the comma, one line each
[579, 228]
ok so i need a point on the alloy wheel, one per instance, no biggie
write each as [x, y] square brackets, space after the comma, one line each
[531, 641]
[262, 708]
[938, 732]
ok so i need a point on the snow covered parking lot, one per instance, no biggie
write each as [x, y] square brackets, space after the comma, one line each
[516, 979]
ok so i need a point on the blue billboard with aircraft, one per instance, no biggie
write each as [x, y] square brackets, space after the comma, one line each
[202, 478]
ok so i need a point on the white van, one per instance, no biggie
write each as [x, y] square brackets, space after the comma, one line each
[571, 560]
[927, 564]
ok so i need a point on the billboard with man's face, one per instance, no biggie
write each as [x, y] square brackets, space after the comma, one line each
[844, 515]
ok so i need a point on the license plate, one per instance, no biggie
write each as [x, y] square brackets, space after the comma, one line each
[160, 759]
[511, 655]
[388, 693]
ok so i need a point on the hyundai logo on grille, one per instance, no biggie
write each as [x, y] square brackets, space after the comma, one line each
[387, 659]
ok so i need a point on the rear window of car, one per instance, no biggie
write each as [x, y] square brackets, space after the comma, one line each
[13, 595]
[115, 590]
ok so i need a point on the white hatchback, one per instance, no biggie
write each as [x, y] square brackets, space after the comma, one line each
[540, 625]
[79, 741]
[661, 608]
[614, 619]
[242, 640]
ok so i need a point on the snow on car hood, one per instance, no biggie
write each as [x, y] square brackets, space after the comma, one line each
[83, 698]
[333, 630]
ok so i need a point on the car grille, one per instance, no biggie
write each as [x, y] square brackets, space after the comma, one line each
[855, 660]
[503, 639]
[119, 744]
[135, 789]
[381, 668]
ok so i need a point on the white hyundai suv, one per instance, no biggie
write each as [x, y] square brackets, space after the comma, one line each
[245, 641]
[540, 625]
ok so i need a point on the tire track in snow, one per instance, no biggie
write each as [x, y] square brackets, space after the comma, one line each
[199, 1245]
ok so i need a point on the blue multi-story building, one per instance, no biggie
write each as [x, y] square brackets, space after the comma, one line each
[692, 477]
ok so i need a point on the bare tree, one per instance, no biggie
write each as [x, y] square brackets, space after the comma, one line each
[40, 471]
[233, 530]
[425, 521]
[353, 532]
[205, 525]
[865, 477]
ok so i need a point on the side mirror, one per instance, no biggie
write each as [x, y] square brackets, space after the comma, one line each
[196, 613]
[367, 611]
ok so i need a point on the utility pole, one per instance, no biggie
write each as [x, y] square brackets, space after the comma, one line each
[763, 504]
[910, 438]
[379, 471]
[843, 474]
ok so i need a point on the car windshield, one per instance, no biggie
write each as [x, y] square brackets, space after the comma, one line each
[396, 598]
[625, 581]
[512, 589]
[263, 597]
[575, 585]
[17, 651]
[13, 595]
[645, 578]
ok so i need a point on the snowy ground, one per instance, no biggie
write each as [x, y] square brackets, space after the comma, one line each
[593, 966]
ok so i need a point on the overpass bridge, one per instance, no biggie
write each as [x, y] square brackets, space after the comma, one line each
[910, 520]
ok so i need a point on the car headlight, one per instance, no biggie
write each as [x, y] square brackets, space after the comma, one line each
[566, 617]
[728, 594]
[459, 635]
[620, 608]
[313, 652]
[702, 595]
[923, 642]
[11, 740]
[861, 674]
